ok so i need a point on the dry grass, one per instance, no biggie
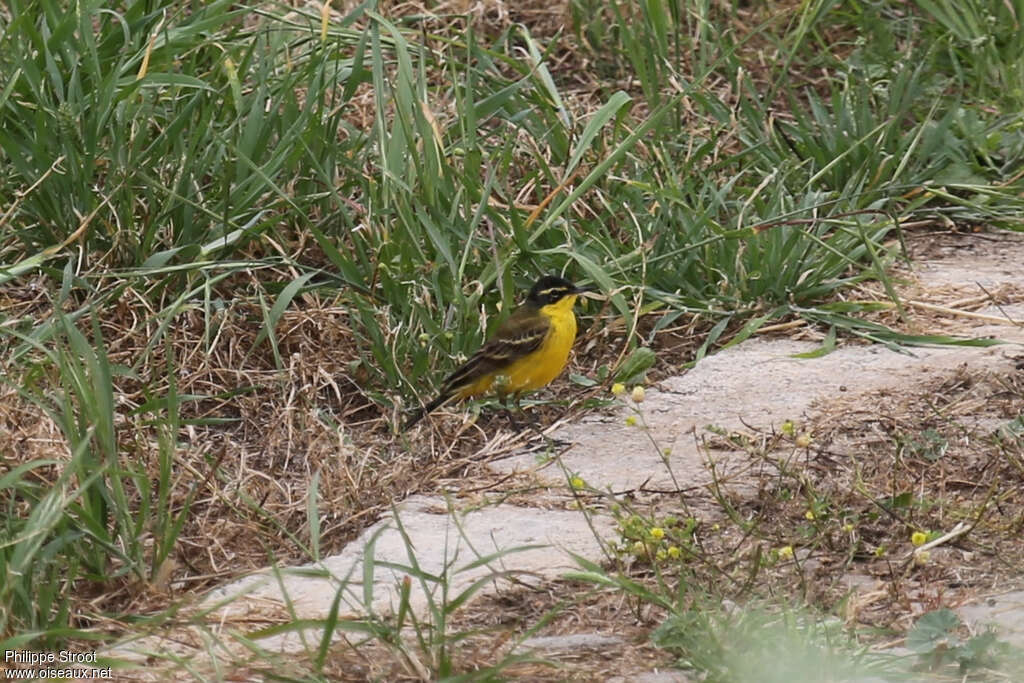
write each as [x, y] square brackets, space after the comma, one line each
[255, 435]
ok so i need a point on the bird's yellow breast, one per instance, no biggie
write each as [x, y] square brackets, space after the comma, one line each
[546, 363]
[538, 368]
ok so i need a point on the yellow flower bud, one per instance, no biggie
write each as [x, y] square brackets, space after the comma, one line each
[638, 394]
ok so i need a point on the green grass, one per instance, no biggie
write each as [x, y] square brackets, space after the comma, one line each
[166, 166]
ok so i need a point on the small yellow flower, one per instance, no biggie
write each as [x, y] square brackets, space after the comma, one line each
[803, 441]
[631, 421]
[577, 482]
[788, 428]
[918, 538]
[660, 555]
[922, 556]
[618, 389]
[848, 527]
[639, 548]
[786, 552]
[716, 526]
[809, 515]
[657, 533]
[638, 394]
[674, 552]
[424, 338]
[880, 551]
[667, 452]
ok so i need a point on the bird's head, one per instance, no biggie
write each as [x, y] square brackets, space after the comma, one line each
[551, 289]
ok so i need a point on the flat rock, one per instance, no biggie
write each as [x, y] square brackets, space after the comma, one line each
[527, 544]
[669, 676]
[989, 260]
[1004, 612]
[573, 642]
[756, 385]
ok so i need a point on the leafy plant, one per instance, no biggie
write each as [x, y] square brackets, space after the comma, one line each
[934, 638]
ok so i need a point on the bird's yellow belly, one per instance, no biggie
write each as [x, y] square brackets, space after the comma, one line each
[527, 374]
[534, 370]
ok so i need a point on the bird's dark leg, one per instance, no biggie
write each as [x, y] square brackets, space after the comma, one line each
[518, 420]
[507, 403]
[513, 411]
[532, 420]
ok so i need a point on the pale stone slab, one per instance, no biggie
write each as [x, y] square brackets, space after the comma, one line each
[1004, 612]
[757, 384]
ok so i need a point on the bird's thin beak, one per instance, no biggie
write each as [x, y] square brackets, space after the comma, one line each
[584, 290]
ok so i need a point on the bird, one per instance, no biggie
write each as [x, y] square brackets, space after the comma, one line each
[525, 353]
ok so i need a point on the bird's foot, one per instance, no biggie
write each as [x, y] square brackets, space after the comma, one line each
[519, 420]
[555, 443]
[533, 424]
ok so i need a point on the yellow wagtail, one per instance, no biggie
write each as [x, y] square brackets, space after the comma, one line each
[528, 350]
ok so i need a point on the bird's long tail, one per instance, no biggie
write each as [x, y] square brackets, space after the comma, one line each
[420, 413]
